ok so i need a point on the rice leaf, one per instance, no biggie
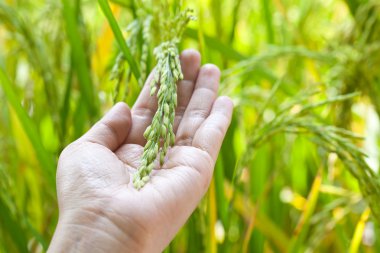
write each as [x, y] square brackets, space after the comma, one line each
[119, 37]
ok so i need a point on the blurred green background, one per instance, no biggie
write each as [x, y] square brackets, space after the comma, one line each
[298, 170]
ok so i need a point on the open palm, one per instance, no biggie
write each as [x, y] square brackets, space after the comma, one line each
[95, 189]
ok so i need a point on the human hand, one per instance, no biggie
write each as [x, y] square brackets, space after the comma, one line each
[100, 210]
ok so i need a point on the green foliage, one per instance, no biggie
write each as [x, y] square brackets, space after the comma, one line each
[295, 172]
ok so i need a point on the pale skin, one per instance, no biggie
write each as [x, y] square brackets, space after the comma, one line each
[100, 210]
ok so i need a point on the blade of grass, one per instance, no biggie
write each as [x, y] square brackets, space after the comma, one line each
[353, 6]
[195, 237]
[79, 57]
[216, 10]
[78, 123]
[16, 232]
[268, 20]
[38, 236]
[104, 44]
[212, 246]
[359, 230]
[119, 37]
[65, 108]
[261, 185]
[47, 163]
[304, 221]
[234, 20]
[220, 197]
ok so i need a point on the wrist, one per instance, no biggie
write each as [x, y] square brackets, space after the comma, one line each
[90, 231]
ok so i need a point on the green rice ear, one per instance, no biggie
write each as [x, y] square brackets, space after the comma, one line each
[168, 72]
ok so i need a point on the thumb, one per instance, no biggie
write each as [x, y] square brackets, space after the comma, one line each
[112, 129]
